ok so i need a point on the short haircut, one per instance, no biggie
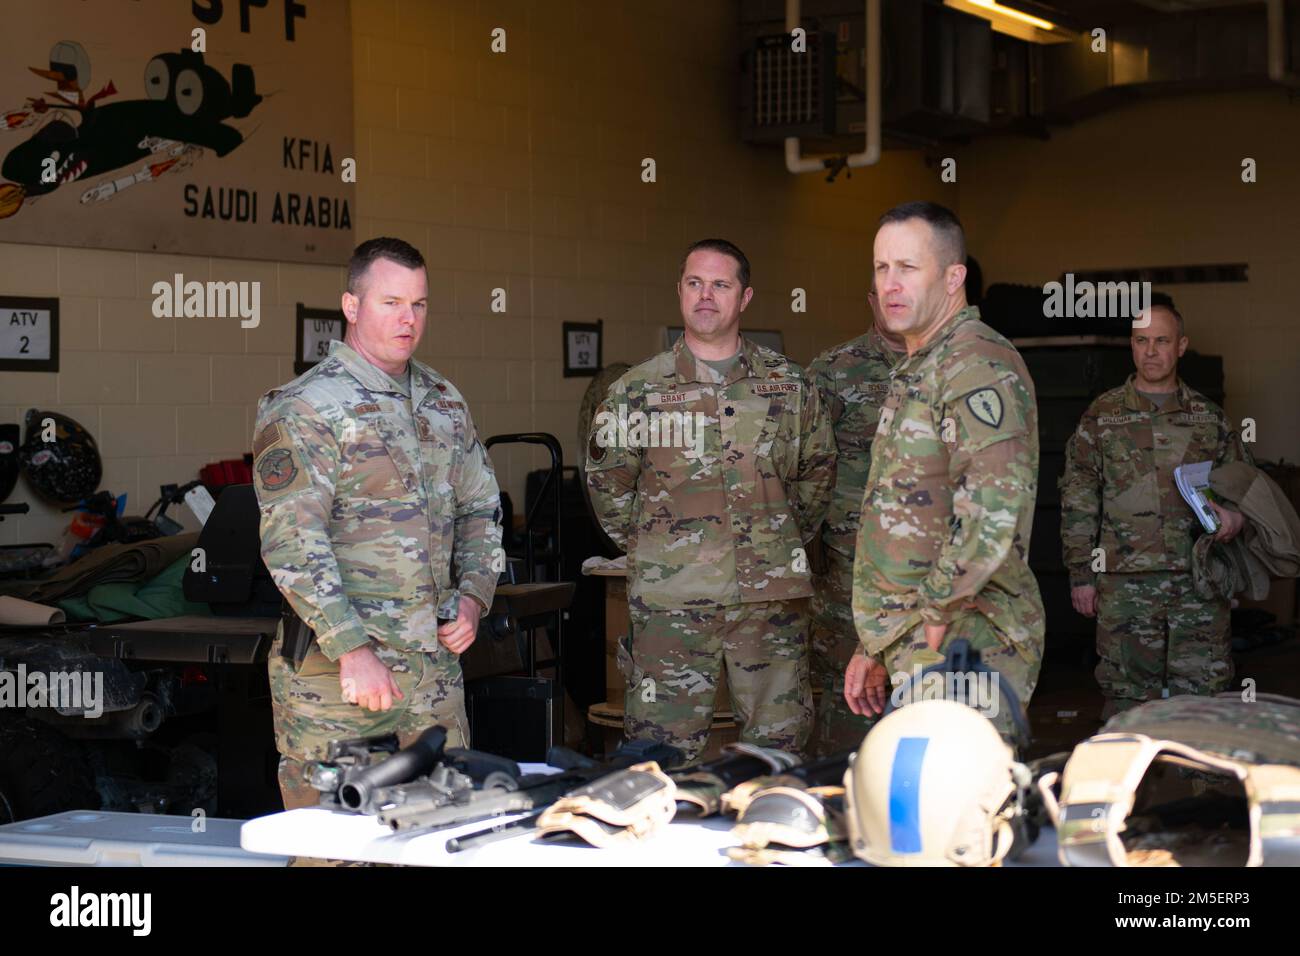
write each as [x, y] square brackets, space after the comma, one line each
[724, 247]
[385, 247]
[948, 233]
[1165, 300]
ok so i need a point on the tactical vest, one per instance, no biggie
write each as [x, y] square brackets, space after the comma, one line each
[1253, 747]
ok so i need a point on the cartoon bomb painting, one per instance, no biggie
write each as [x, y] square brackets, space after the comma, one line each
[78, 137]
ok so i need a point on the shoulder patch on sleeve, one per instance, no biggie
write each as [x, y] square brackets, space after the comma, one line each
[277, 464]
[986, 405]
[267, 437]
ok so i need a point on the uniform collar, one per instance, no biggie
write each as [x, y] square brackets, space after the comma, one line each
[968, 314]
[876, 343]
[688, 368]
[1135, 401]
[375, 379]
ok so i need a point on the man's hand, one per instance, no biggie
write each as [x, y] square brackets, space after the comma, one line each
[1084, 599]
[460, 633]
[1230, 523]
[864, 685]
[934, 635]
[366, 681]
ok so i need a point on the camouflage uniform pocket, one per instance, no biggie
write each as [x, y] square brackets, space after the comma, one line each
[315, 664]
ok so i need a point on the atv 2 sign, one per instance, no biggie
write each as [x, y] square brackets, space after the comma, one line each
[186, 133]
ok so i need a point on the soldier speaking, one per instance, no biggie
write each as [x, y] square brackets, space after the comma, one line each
[374, 490]
[715, 528]
[944, 537]
[1128, 535]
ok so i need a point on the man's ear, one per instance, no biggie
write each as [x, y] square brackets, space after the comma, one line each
[1182, 345]
[350, 305]
[955, 277]
[744, 299]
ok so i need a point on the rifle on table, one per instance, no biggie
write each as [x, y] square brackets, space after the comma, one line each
[371, 774]
[530, 793]
[428, 785]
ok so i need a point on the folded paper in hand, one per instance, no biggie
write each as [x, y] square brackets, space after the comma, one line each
[1192, 480]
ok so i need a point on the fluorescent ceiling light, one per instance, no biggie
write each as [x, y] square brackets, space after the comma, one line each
[994, 7]
[1012, 22]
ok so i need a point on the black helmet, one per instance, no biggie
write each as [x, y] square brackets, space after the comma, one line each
[8, 460]
[65, 469]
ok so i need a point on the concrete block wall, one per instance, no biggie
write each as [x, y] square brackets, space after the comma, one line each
[518, 170]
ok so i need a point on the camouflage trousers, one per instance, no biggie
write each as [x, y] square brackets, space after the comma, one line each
[834, 641]
[1017, 666]
[308, 709]
[1155, 632]
[675, 660]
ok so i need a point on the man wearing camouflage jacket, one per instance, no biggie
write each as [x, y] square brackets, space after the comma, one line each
[944, 538]
[852, 380]
[715, 524]
[1128, 535]
[379, 507]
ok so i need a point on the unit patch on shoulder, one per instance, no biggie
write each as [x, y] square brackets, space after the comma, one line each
[277, 465]
[277, 469]
[986, 405]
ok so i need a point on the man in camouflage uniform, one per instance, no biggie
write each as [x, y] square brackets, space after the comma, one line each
[949, 503]
[715, 528]
[379, 509]
[1128, 535]
[852, 380]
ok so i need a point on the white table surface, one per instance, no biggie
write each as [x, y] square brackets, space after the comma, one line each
[315, 832]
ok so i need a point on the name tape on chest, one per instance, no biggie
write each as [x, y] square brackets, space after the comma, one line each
[1197, 418]
[366, 409]
[777, 388]
[1121, 419]
[447, 405]
[655, 399]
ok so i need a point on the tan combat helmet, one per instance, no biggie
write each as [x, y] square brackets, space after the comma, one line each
[934, 784]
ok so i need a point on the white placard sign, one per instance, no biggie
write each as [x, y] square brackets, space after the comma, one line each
[316, 329]
[29, 334]
[317, 335]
